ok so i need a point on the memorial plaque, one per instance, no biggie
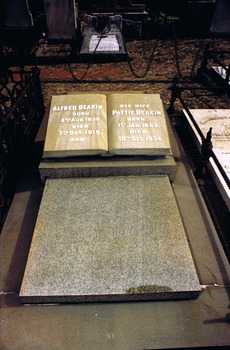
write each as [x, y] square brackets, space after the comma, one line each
[121, 124]
[109, 239]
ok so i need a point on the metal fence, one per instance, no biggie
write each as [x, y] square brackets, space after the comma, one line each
[21, 112]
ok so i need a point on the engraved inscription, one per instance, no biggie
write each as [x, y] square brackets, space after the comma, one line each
[83, 122]
[77, 126]
[92, 124]
[138, 120]
[103, 43]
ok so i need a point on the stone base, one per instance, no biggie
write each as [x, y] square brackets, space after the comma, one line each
[109, 239]
[117, 166]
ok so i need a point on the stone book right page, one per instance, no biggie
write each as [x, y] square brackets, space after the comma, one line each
[137, 125]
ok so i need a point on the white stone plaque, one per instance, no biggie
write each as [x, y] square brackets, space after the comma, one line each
[107, 43]
[219, 121]
[221, 72]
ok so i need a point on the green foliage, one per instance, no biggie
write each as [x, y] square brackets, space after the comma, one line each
[161, 18]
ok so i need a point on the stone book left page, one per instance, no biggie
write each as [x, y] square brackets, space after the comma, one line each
[77, 126]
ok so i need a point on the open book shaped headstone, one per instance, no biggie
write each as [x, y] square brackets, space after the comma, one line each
[120, 124]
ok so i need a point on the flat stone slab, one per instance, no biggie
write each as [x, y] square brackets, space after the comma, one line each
[109, 239]
[219, 121]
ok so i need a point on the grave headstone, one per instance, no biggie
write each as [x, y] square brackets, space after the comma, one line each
[121, 124]
[102, 36]
[16, 14]
[60, 19]
[128, 131]
[220, 21]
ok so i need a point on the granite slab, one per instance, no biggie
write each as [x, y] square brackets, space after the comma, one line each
[219, 121]
[109, 239]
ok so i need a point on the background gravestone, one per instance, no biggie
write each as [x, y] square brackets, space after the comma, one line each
[60, 19]
[102, 36]
[16, 14]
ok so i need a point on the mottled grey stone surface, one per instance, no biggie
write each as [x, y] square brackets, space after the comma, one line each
[109, 239]
[115, 167]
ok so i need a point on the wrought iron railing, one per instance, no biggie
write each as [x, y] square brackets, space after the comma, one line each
[207, 151]
[213, 57]
[21, 112]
